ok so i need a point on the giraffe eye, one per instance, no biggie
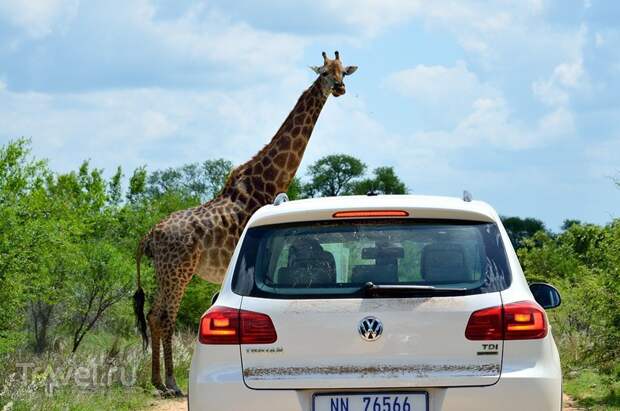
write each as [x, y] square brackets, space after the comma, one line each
[324, 74]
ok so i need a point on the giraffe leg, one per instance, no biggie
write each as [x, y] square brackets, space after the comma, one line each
[173, 275]
[171, 383]
[155, 327]
[172, 309]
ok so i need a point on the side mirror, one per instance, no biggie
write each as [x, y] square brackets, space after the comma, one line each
[546, 295]
[214, 298]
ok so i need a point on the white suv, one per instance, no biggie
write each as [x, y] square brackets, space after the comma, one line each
[377, 303]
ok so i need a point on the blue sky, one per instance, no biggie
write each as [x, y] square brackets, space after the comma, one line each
[516, 101]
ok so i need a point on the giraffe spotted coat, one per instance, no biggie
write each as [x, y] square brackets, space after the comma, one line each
[201, 240]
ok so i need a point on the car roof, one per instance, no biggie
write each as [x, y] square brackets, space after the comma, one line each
[418, 206]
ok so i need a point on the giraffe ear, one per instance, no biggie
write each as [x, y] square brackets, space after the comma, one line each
[349, 70]
[317, 69]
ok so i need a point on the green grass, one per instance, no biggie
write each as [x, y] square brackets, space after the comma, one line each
[103, 351]
[114, 398]
[593, 391]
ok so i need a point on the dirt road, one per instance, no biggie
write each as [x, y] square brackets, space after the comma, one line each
[177, 404]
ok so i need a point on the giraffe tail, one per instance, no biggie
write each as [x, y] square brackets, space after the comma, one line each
[139, 298]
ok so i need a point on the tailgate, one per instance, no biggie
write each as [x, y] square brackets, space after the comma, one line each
[422, 344]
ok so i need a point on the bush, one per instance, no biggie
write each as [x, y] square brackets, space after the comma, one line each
[584, 263]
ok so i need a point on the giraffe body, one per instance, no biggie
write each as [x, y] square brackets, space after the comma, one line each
[201, 240]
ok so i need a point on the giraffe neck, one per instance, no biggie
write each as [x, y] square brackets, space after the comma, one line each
[257, 182]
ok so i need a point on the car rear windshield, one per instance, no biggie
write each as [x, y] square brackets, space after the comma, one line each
[358, 259]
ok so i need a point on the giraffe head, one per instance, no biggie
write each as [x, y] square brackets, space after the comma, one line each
[332, 73]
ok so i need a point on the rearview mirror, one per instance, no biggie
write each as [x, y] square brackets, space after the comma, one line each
[546, 295]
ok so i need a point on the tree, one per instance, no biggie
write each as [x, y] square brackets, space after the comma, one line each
[385, 181]
[295, 189]
[101, 283]
[568, 223]
[521, 228]
[64, 212]
[333, 175]
[584, 263]
[115, 189]
[21, 238]
[137, 184]
[216, 173]
[196, 181]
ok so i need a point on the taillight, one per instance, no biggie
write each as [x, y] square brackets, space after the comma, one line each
[219, 325]
[225, 325]
[523, 320]
[485, 325]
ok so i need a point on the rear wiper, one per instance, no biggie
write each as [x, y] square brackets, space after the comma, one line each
[402, 289]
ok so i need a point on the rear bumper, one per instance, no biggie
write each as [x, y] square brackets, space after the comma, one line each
[217, 384]
[507, 395]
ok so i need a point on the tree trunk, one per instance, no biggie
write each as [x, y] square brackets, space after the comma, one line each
[41, 316]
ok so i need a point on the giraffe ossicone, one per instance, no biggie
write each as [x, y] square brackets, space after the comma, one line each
[201, 240]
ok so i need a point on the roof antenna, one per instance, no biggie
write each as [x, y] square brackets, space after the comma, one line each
[280, 198]
[467, 196]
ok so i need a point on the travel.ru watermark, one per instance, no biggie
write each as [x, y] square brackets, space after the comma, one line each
[84, 377]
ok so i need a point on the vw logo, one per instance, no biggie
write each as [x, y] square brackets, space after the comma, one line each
[370, 328]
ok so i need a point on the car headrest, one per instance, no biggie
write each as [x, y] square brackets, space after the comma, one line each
[304, 248]
[308, 264]
[444, 263]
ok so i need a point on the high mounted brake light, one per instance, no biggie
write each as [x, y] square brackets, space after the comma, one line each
[225, 325]
[522, 320]
[370, 213]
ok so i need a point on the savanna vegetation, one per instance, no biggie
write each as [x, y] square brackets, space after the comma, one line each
[67, 271]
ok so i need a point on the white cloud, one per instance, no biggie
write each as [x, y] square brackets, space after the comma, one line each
[442, 95]
[38, 18]
[472, 113]
[128, 44]
[372, 16]
[346, 126]
[549, 93]
[566, 77]
[569, 74]
[490, 123]
[157, 126]
[436, 84]
[203, 34]
[475, 22]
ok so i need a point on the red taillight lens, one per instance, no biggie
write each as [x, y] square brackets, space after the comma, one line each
[523, 320]
[225, 325]
[257, 328]
[485, 325]
[219, 325]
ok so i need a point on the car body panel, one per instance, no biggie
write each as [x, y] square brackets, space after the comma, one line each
[319, 346]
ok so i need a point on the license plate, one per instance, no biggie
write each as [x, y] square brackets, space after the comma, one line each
[378, 401]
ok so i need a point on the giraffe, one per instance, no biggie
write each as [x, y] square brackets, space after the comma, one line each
[201, 240]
